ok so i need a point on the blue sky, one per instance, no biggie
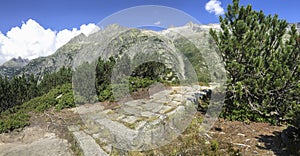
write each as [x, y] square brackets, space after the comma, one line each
[61, 14]
[33, 28]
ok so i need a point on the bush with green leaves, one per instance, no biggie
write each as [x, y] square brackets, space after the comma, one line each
[136, 83]
[262, 62]
[59, 97]
[141, 77]
[20, 89]
[52, 80]
[10, 121]
[17, 117]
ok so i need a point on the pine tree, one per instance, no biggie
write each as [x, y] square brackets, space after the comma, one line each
[52, 80]
[2, 94]
[262, 66]
[83, 85]
[104, 70]
[32, 87]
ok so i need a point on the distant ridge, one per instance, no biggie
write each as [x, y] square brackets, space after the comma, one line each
[13, 67]
[16, 62]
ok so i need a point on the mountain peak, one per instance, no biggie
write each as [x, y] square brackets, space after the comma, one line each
[16, 62]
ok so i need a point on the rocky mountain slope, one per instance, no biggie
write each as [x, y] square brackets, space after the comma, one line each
[191, 40]
[13, 66]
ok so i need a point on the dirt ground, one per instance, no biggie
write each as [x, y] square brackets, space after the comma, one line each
[251, 139]
[46, 135]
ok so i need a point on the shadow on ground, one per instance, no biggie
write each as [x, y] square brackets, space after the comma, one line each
[283, 143]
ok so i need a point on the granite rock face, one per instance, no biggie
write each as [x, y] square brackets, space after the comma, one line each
[167, 46]
[13, 66]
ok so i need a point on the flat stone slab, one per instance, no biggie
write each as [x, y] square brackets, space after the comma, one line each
[130, 119]
[88, 108]
[148, 114]
[50, 145]
[88, 144]
[153, 106]
[130, 110]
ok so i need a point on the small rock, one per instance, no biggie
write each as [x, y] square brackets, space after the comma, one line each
[59, 96]
[140, 125]
[130, 119]
[108, 111]
[121, 117]
[209, 137]
[206, 142]
[147, 114]
[247, 140]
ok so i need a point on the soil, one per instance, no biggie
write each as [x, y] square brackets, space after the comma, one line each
[46, 135]
[250, 139]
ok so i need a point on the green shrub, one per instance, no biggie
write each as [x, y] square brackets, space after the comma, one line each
[136, 82]
[59, 97]
[17, 117]
[214, 145]
[66, 101]
[142, 77]
[262, 63]
[13, 121]
[106, 94]
[52, 80]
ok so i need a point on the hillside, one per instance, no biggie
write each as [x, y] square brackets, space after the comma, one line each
[114, 40]
[13, 67]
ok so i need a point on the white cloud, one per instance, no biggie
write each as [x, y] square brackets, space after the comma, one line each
[157, 23]
[89, 29]
[31, 40]
[214, 6]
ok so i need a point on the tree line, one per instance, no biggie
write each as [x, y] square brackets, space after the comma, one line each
[21, 89]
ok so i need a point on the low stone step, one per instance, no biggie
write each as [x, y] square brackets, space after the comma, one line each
[143, 124]
[88, 145]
